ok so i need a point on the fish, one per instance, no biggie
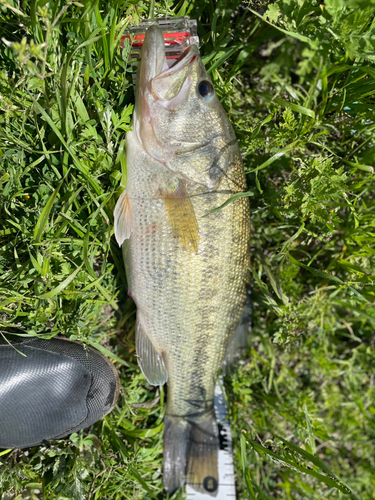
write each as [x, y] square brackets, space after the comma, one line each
[187, 264]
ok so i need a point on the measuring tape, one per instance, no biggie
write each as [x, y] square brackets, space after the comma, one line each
[227, 489]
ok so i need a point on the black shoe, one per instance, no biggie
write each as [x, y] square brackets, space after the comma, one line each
[57, 388]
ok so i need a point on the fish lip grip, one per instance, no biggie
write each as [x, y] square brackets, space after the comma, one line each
[179, 33]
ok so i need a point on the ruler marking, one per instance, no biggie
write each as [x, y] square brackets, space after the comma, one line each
[189, 483]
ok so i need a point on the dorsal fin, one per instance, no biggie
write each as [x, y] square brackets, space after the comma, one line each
[237, 343]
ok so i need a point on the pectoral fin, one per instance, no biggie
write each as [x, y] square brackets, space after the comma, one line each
[122, 219]
[181, 215]
[149, 359]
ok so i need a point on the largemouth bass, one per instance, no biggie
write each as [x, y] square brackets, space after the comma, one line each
[187, 267]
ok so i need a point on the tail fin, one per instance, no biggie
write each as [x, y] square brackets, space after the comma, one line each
[191, 451]
[176, 447]
[202, 469]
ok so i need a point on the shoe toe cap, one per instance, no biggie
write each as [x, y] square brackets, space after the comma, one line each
[51, 388]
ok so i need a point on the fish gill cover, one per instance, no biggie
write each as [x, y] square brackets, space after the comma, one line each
[296, 79]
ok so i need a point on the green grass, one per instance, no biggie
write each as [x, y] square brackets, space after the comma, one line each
[297, 81]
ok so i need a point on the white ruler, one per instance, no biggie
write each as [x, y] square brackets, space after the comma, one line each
[226, 488]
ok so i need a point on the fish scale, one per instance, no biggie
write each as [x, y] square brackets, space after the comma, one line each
[187, 265]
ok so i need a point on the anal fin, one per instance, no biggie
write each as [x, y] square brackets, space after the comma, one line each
[149, 359]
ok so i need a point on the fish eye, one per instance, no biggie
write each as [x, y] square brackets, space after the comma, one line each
[206, 89]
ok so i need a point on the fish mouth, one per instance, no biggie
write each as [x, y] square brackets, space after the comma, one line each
[160, 88]
[171, 86]
[153, 59]
[153, 62]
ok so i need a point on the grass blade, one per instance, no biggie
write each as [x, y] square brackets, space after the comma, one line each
[44, 216]
[61, 286]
